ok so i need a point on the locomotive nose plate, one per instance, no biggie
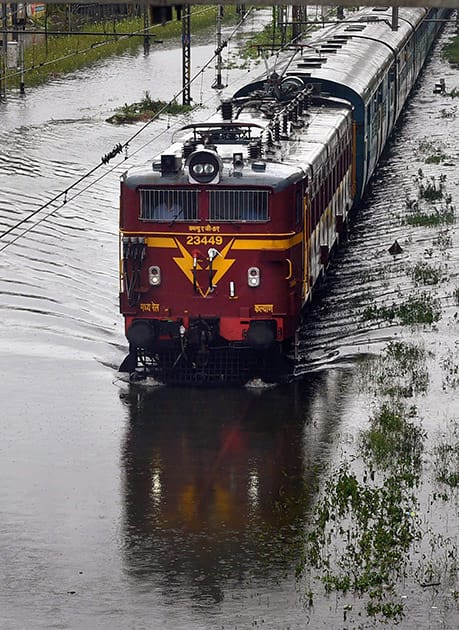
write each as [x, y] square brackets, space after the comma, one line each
[203, 271]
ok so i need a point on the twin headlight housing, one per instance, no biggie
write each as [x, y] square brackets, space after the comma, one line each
[204, 167]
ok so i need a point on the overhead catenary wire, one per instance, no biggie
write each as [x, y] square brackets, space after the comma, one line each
[68, 199]
[63, 195]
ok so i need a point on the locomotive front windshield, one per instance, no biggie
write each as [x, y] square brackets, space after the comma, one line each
[168, 205]
[217, 206]
[238, 205]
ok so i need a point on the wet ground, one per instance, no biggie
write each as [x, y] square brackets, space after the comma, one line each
[131, 508]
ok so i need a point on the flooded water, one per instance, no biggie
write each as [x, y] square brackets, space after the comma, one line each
[124, 507]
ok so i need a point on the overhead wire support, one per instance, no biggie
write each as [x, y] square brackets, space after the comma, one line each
[4, 39]
[218, 84]
[186, 54]
[146, 27]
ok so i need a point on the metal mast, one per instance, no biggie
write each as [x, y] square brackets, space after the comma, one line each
[4, 25]
[218, 84]
[186, 54]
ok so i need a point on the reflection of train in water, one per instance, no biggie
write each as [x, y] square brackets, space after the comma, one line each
[225, 234]
[217, 493]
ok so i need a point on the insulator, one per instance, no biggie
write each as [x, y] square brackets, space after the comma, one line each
[277, 130]
[300, 106]
[227, 110]
[284, 124]
[269, 138]
[188, 148]
[254, 150]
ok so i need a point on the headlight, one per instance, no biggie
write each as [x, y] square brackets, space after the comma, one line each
[204, 167]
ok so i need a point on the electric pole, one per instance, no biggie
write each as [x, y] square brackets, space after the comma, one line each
[218, 84]
[186, 54]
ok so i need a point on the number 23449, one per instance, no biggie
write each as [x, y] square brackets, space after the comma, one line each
[203, 239]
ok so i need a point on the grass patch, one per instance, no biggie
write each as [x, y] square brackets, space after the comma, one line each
[372, 528]
[450, 372]
[443, 240]
[418, 308]
[394, 441]
[423, 273]
[401, 371]
[146, 109]
[446, 454]
[445, 215]
[268, 38]
[429, 188]
[433, 152]
[451, 50]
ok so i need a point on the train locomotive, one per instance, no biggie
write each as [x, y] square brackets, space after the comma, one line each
[225, 235]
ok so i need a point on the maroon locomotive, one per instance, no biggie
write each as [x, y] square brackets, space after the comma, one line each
[225, 234]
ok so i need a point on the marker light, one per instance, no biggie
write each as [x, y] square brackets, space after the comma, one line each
[154, 276]
[253, 277]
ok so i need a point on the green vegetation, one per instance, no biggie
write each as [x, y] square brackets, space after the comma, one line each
[439, 216]
[372, 527]
[429, 189]
[451, 372]
[451, 50]
[53, 56]
[393, 440]
[400, 372]
[434, 153]
[146, 109]
[366, 532]
[446, 454]
[269, 37]
[426, 274]
[443, 240]
[418, 308]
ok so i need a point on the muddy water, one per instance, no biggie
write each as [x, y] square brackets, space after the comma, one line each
[133, 508]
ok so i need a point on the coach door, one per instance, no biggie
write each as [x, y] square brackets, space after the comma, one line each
[306, 245]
